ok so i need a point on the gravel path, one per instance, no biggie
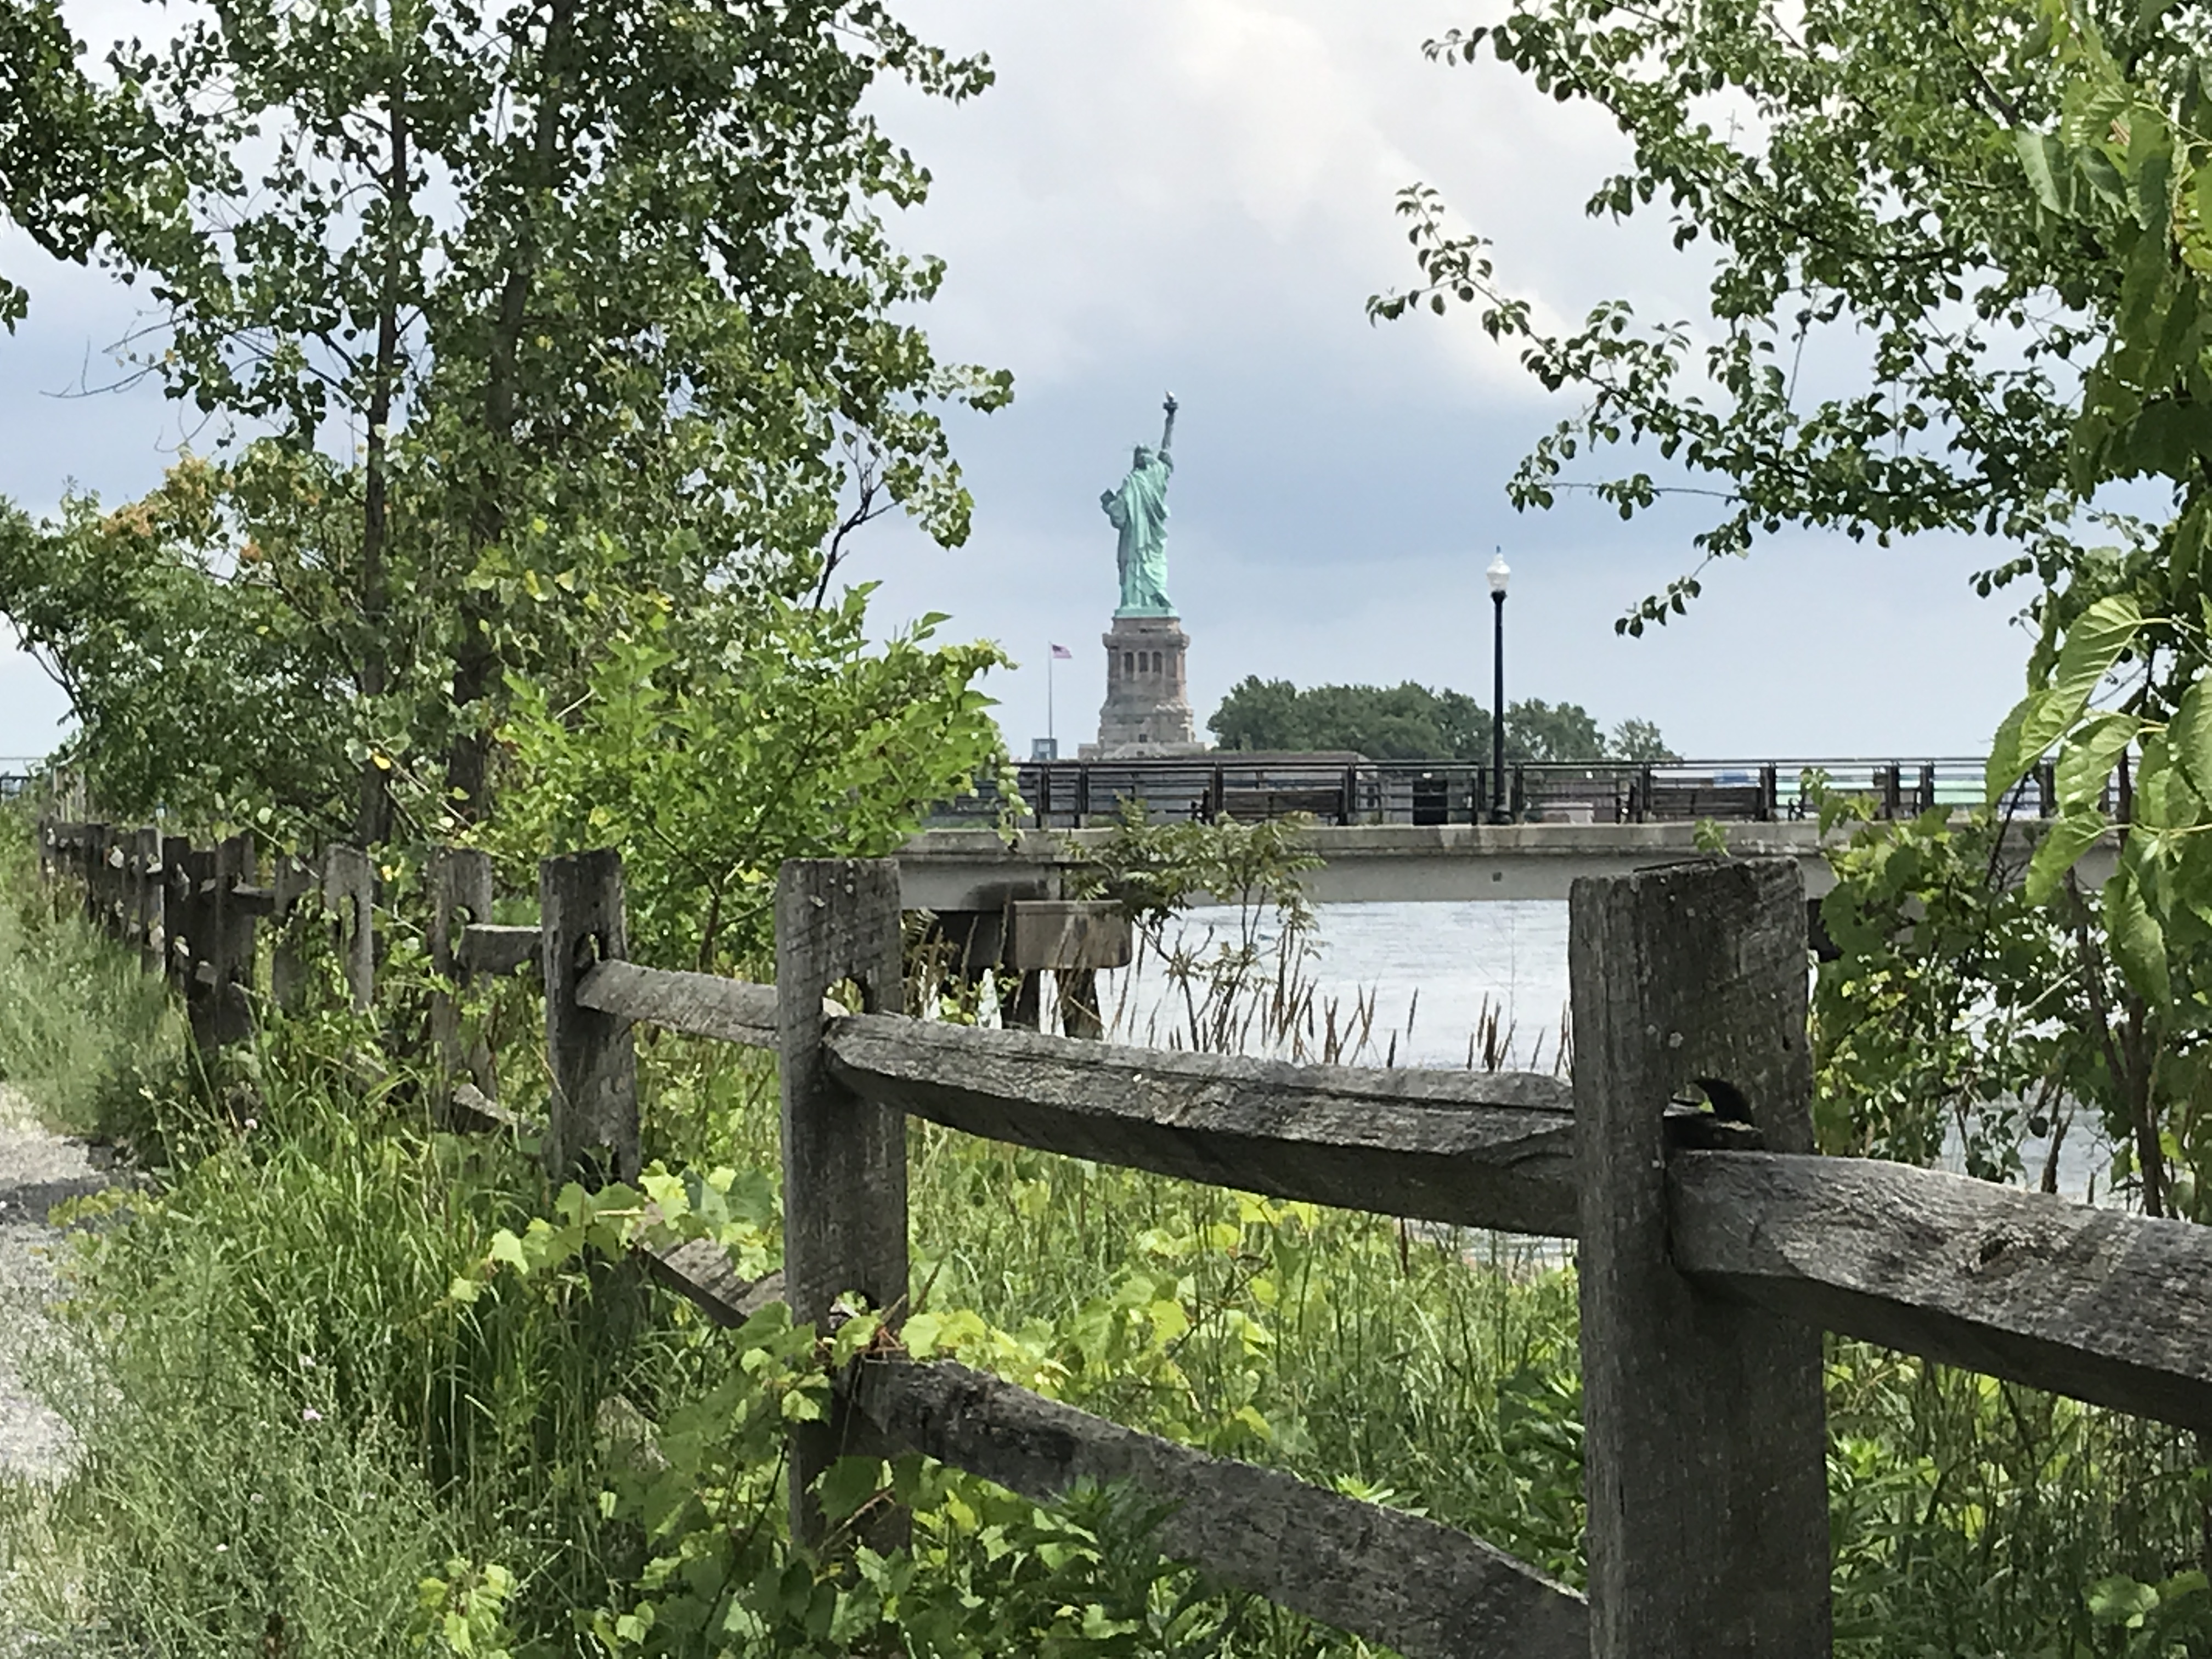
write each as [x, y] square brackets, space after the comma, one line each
[38, 1170]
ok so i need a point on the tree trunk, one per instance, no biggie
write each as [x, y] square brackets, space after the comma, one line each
[475, 660]
[373, 819]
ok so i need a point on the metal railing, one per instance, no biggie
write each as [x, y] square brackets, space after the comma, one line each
[1063, 794]
[20, 775]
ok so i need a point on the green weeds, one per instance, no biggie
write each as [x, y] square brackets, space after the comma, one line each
[286, 1421]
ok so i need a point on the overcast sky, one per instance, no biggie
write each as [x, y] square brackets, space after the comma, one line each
[1196, 195]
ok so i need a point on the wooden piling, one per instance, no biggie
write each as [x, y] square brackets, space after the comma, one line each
[294, 883]
[195, 962]
[176, 908]
[231, 941]
[1704, 1445]
[95, 874]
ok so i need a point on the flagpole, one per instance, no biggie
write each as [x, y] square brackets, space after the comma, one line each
[1051, 732]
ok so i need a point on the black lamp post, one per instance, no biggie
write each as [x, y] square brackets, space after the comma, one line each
[1497, 573]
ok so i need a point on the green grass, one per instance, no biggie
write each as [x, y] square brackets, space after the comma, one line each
[285, 1417]
[83, 1029]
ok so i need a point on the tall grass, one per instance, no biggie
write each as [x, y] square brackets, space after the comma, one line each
[83, 1029]
[284, 1420]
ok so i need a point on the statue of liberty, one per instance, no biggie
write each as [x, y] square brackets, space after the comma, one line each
[1139, 510]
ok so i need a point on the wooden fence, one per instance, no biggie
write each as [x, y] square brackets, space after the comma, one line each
[1713, 1246]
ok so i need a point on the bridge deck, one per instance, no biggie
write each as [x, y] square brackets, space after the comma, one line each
[968, 870]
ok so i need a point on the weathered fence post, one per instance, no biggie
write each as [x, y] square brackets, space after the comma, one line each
[844, 1159]
[196, 928]
[177, 910]
[153, 887]
[593, 1128]
[114, 881]
[230, 940]
[94, 861]
[292, 881]
[460, 893]
[1704, 1442]
[133, 891]
[350, 891]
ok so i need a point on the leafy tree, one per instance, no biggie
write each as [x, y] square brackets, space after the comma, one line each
[1990, 229]
[196, 686]
[1639, 740]
[1869, 209]
[1259, 715]
[1957, 1005]
[1538, 731]
[62, 140]
[1402, 722]
[1413, 722]
[710, 750]
[496, 313]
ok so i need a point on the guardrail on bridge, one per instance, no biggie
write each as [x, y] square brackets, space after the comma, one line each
[1348, 790]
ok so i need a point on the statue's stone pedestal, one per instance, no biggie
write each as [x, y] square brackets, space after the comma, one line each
[1147, 709]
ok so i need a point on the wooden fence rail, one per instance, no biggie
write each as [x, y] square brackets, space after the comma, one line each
[1713, 1246]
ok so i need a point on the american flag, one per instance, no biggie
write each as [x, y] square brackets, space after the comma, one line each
[1063, 653]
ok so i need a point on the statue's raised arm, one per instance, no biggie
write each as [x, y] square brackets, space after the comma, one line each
[1167, 433]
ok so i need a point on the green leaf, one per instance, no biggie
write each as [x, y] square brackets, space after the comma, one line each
[2122, 1601]
[2137, 942]
[2085, 765]
[854, 1337]
[2150, 156]
[2036, 155]
[2008, 760]
[2189, 737]
[2093, 643]
[2063, 844]
[846, 1484]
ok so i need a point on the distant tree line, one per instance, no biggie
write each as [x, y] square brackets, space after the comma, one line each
[1413, 722]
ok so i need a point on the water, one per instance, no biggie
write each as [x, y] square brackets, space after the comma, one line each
[1431, 971]
[1435, 970]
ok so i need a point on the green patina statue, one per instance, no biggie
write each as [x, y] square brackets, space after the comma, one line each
[1139, 510]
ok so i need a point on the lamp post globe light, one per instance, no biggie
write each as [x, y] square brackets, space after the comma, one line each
[1499, 572]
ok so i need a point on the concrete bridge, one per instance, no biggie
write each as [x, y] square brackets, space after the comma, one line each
[970, 870]
[1396, 830]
